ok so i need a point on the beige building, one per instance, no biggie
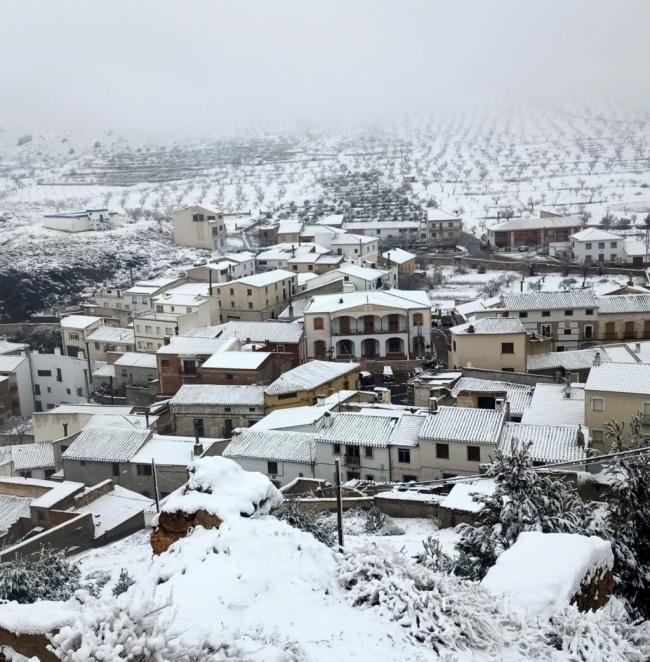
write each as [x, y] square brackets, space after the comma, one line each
[616, 391]
[441, 227]
[490, 343]
[75, 330]
[200, 226]
[256, 298]
[306, 383]
[398, 257]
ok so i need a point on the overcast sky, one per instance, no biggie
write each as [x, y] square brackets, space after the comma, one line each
[161, 65]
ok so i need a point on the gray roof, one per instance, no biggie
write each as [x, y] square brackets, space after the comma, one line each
[218, 394]
[278, 445]
[624, 303]
[518, 395]
[549, 443]
[309, 375]
[550, 300]
[463, 425]
[277, 332]
[620, 378]
[537, 223]
[551, 400]
[578, 359]
[489, 326]
[358, 429]
[99, 445]
[407, 430]
[12, 508]
[32, 456]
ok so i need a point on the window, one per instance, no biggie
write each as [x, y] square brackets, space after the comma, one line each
[588, 245]
[37, 389]
[589, 332]
[68, 391]
[318, 323]
[249, 292]
[417, 319]
[287, 396]
[601, 244]
[189, 367]
[272, 468]
[507, 348]
[442, 451]
[336, 449]
[44, 373]
[368, 451]
[597, 404]
[250, 305]
[612, 257]
[169, 331]
[568, 313]
[82, 463]
[646, 413]
[115, 468]
[404, 455]
[80, 392]
[159, 308]
[567, 332]
[409, 479]
[473, 454]
[523, 314]
[227, 409]
[230, 376]
[370, 477]
[147, 329]
[73, 336]
[59, 375]
[613, 244]
[546, 313]
[597, 435]
[546, 330]
[589, 311]
[143, 469]
[198, 427]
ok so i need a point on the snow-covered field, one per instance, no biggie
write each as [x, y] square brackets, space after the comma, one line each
[590, 160]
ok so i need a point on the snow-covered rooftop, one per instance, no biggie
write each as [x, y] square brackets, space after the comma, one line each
[550, 300]
[463, 425]
[538, 223]
[620, 378]
[292, 417]
[549, 443]
[218, 394]
[553, 398]
[400, 299]
[460, 497]
[279, 445]
[102, 445]
[137, 360]
[624, 303]
[264, 279]
[595, 234]
[168, 450]
[112, 334]
[236, 360]
[489, 326]
[309, 376]
[193, 346]
[79, 321]
[10, 363]
[518, 395]
[398, 255]
[436, 214]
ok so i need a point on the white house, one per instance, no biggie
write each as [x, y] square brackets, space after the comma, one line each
[388, 232]
[441, 227]
[224, 268]
[357, 248]
[596, 246]
[83, 221]
[356, 278]
[17, 370]
[75, 330]
[109, 339]
[390, 324]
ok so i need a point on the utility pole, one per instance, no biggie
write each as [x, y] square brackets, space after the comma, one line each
[339, 503]
[155, 484]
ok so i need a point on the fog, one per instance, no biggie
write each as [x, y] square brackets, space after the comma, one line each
[209, 65]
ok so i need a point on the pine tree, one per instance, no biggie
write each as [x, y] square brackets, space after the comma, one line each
[524, 500]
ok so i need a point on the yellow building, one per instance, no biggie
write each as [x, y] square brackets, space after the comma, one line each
[306, 383]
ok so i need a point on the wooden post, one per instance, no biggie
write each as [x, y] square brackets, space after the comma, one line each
[155, 484]
[339, 503]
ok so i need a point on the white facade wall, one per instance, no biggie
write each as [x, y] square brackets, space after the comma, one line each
[598, 252]
[287, 471]
[67, 383]
[24, 384]
[357, 253]
[377, 466]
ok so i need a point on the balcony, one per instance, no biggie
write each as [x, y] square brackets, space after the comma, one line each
[367, 331]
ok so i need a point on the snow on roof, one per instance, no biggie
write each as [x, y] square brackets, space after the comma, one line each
[518, 395]
[137, 360]
[200, 289]
[478, 305]
[620, 378]
[218, 394]
[542, 572]
[538, 223]
[552, 398]
[464, 425]
[278, 445]
[292, 417]
[549, 443]
[635, 248]
[108, 410]
[174, 299]
[236, 360]
[276, 332]
[550, 300]
[32, 456]
[365, 273]
[304, 278]
[101, 445]
[289, 227]
[578, 359]
[401, 299]
[168, 450]
[193, 346]
[12, 508]
[460, 497]
[114, 508]
[624, 303]
[398, 255]
[381, 225]
[79, 321]
[331, 219]
[208, 208]
[595, 234]
[10, 363]
[7, 347]
[242, 256]
[112, 334]
[132, 421]
[351, 239]
[309, 376]
[358, 429]
[489, 326]
[435, 214]
[263, 279]
[221, 487]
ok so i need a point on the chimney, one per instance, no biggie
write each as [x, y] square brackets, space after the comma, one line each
[327, 420]
[210, 281]
[580, 438]
[471, 329]
[507, 410]
[597, 358]
[197, 449]
[499, 404]
[567, 392]
[637, 348]
[65, 429]
[433, 405]
[197, 440]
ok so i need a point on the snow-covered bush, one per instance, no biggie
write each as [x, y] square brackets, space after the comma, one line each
[322, 527]
[123, 582]
[524, 500]
[50, 577]
[381, 524]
